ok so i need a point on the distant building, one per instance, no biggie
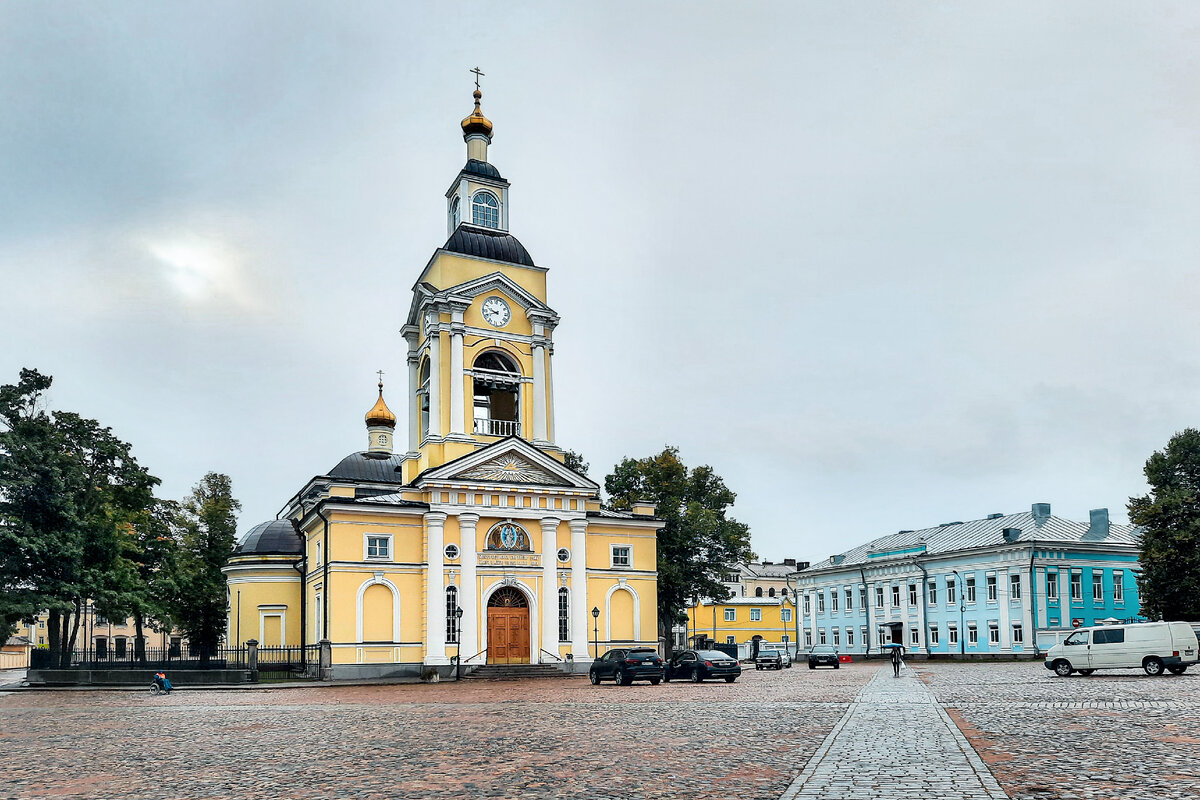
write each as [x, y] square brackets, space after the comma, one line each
[759, 608]
[1006, 584]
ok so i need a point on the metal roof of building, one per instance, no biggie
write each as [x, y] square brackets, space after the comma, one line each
[955, 537]
[369, 467]
[276, 537]
[488, 243]
[476, 167]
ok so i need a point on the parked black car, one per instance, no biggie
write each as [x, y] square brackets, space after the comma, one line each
[823, 655]
[626, 665]
[696, 665]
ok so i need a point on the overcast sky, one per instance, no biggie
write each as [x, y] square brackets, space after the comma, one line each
[881, 265]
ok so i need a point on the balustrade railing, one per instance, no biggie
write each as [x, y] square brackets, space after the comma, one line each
[497, 427]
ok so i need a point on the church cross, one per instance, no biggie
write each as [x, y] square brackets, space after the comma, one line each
[380, 373]
[478, 75]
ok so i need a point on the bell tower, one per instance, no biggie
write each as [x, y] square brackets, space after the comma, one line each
[479, 331]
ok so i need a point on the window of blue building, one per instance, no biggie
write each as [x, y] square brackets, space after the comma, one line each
[933, 592]
[1052, 586]
[1014, 588]
[991, 588]
[821, 604]
[1118, 586]
[849, 599]
[933, 635]
[972, 634]
[833, 599]
[951, 591]
[1098, 585]
[895, 596]
[879, 597]
[970, 589]
[1077, 585]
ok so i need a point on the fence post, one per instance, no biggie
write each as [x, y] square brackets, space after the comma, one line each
[326, 660]
[252, 658]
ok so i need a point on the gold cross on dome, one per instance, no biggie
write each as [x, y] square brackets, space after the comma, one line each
[379, 372]
[478, 75]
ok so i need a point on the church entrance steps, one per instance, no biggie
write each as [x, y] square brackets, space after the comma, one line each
[515, 672]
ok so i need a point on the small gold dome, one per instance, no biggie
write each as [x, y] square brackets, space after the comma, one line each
[380, 414]
[477, 122]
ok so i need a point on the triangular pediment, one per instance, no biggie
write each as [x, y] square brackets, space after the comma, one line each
[510, 461]
[425, 293]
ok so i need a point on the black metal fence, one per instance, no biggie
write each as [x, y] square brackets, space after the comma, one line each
[287, 662]
[173, 657]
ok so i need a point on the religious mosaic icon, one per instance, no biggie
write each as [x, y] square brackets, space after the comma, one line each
[508, 536]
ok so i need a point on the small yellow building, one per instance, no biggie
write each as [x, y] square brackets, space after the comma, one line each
[476, 540]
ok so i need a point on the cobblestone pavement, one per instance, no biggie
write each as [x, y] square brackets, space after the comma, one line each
[556, 738]
[1111, 736]
[895, 742]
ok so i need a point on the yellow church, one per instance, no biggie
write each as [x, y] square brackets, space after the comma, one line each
[476, 541]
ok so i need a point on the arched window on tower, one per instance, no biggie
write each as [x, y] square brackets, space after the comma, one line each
[758, 592]
[497, 395]
[451, 617]
[771, 592]
[423, 396]
[485, 210]
[455, 211]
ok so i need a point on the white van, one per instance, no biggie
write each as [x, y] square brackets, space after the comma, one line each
[1152, 646]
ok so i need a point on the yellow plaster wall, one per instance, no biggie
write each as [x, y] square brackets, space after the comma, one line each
[267, 592]
[771, 627]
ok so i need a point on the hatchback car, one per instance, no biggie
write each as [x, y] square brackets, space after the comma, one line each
[823, 655]
[626, 665]
[696, 665]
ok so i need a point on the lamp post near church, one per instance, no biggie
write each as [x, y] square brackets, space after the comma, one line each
[595, 632]
[458, 614]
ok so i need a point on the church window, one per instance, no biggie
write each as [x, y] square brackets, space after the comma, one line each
[455, 211]
[564, 615]
[758, 592]
[564, 555]
[451, 552]
[497, 385]
[378, 547]
[507, 536]
[423, 397]
[485, 210]
[771, 592]
[621, 556]
[451, 617]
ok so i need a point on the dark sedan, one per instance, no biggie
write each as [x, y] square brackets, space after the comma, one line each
[626, 665]
[696, 665]
[823, 655]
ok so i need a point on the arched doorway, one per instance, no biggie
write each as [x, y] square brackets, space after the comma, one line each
[508, 627]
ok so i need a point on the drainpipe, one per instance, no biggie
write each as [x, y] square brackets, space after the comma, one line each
[924, 592]
[301, 566]
[867, 609]
[1033, 599]
[960, 589]
[795, 593]
[325, 578]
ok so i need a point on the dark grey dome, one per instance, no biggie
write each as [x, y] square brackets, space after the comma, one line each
[476, 167]
[369, 467]
[276, 537]
[488, 243]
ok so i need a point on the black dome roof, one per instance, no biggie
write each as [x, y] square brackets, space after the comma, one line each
[488, 243]
[276, 537]
[476, 167]
[370, 467]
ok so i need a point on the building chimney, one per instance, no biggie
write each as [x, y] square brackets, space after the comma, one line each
[1100, 525]
[1011, 534]
[643, 508]
[1041, 512]
[789, 562]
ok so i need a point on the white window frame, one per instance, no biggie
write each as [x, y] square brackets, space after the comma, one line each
[931, 591]
[612, 555]
[969, 598]
[952, 634]
[879, 597]
[912, 595]
[1118, 587]
[895, 595]
[730, 639]
[808, 639]
[499, 208]
[951, 592]
[849, 637]
[1097, 586]
[973, 635]
[1052, 586]
[933, 635]
[785, 615]
[1018, 633]
[833, 601]
[992, 582]
[837, 637]
[367, 537]
[849, 599]
[1014, 587]
[807, 605]
[756, 615]
[993, 633]
[731, 615]
[821, 602]
[914, 636]
[820, 636]
[1076, 586]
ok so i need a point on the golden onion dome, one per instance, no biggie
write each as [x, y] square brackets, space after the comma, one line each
[477, 122]
[380, 414]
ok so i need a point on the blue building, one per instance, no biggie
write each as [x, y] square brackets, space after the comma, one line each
[1005, 584]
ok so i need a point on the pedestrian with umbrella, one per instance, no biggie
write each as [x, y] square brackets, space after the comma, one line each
[897, 656]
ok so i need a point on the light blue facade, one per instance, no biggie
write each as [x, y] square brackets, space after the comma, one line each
[1006, 584]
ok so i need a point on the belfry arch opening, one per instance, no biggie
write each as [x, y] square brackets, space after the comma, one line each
[497, 391]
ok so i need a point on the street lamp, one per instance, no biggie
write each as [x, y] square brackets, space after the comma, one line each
[595, 632]
[458, 612]
[959, 588]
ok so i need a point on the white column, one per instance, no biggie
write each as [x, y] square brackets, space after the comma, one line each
[435, 593]
[1027, 600]
[468, 593]
[539, 388]
[414, 405]
[580, 610]
[549, 586]
[457, 415]
[435, 377]
[550, 393]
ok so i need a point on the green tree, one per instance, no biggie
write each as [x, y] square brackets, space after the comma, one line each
[1169, 515]
[575, 461]
[69, 490]
[150, 571]
[206, 537]
[699, 544]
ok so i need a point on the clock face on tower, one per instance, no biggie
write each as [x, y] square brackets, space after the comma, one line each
[496, 312]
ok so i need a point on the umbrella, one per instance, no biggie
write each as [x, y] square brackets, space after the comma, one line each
[893, 644]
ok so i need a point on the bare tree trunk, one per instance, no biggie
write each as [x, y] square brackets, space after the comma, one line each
[139, 642]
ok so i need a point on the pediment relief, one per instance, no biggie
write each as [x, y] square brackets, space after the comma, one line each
[509, 468]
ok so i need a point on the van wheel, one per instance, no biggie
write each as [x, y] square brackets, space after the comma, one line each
[1153, 666]
[1177, 669]
[1062, 668]
[1086, 671]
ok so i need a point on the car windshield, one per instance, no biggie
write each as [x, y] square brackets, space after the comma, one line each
[712, 655]
[823, 648]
